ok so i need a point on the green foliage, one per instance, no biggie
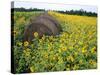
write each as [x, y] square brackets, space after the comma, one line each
[73, 49]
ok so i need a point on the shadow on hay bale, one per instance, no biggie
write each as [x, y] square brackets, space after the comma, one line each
[43, 24]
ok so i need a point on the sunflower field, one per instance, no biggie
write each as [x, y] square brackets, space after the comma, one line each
[75, 48]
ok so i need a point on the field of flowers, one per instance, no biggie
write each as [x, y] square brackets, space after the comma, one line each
[74, 49]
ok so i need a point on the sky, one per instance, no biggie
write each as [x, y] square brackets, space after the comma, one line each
[54, 6]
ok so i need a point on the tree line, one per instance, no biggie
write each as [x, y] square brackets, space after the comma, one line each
[72, 12]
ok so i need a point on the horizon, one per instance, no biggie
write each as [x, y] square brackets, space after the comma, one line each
[53, 6]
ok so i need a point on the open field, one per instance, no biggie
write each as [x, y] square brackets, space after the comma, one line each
[74, 49]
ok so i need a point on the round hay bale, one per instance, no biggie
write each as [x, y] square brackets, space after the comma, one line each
[42, 24]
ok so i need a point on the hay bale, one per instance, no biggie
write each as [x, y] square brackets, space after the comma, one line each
[43, 24]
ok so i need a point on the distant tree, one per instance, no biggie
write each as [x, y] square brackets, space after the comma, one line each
[72, 12]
